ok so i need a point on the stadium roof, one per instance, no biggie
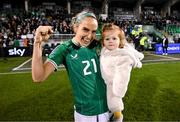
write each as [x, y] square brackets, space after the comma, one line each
[147, 2]
[126, 3]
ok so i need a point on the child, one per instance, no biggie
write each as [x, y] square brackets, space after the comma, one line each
[117, 60]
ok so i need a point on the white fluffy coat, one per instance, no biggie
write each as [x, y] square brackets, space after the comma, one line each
[116, 68]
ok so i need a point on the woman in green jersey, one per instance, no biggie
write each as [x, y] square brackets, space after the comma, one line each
[80, 55]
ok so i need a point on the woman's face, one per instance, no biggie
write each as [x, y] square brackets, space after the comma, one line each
[86, 31]
[111, 40]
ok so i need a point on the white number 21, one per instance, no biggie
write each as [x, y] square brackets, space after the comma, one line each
[86, 68]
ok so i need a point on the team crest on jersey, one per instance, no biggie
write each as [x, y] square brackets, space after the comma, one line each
[98, 52]
[74, 56]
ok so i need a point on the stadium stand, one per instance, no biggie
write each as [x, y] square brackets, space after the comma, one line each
[18, 25]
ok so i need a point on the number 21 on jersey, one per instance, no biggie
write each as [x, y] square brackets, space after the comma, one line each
[86, 69]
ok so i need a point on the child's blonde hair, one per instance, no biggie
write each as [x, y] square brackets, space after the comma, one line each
[110, 27]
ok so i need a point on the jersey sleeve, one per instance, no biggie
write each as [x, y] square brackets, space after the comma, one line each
[57, 56]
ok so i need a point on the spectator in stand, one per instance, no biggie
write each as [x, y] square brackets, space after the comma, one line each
[2, 47]
[19, 21]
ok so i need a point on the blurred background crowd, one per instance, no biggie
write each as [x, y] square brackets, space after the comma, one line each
[18, 21]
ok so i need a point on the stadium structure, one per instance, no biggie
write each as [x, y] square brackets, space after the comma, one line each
[155, 18]
[153, 92]
[165, 7]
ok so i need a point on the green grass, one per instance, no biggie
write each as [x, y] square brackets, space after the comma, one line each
[21, 99]
[153, 95]
[7, 65]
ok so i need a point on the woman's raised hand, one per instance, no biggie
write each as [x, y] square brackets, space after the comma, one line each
[42, 34]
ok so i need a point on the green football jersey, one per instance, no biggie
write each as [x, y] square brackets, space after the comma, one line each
[83, 67]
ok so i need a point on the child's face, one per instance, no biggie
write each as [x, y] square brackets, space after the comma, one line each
[111, 40]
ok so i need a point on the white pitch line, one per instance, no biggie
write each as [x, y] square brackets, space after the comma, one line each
[13, 73]
[22, 69]
[152, 63]
[7, 73]
[145, 62]
[164, 56]
[158, 60]
[14, 69]
[18, 68]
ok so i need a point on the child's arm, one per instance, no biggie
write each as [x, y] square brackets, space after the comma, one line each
[138, 56]
[121, 78]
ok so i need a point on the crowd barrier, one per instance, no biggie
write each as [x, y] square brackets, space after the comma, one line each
[27, 51]
[16, 51]
[172, 48]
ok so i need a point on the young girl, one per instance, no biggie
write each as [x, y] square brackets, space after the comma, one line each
[117, 60]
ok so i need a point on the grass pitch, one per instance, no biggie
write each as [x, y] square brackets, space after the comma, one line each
[153, 94]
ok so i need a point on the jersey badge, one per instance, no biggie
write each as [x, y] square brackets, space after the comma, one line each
[74, 57]
[98, 52]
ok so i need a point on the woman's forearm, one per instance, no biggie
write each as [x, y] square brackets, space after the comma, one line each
[37, 63]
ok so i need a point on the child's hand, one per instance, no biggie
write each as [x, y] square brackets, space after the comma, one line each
[139, 65]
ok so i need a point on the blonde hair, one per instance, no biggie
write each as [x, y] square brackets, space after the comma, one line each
[110, 27]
